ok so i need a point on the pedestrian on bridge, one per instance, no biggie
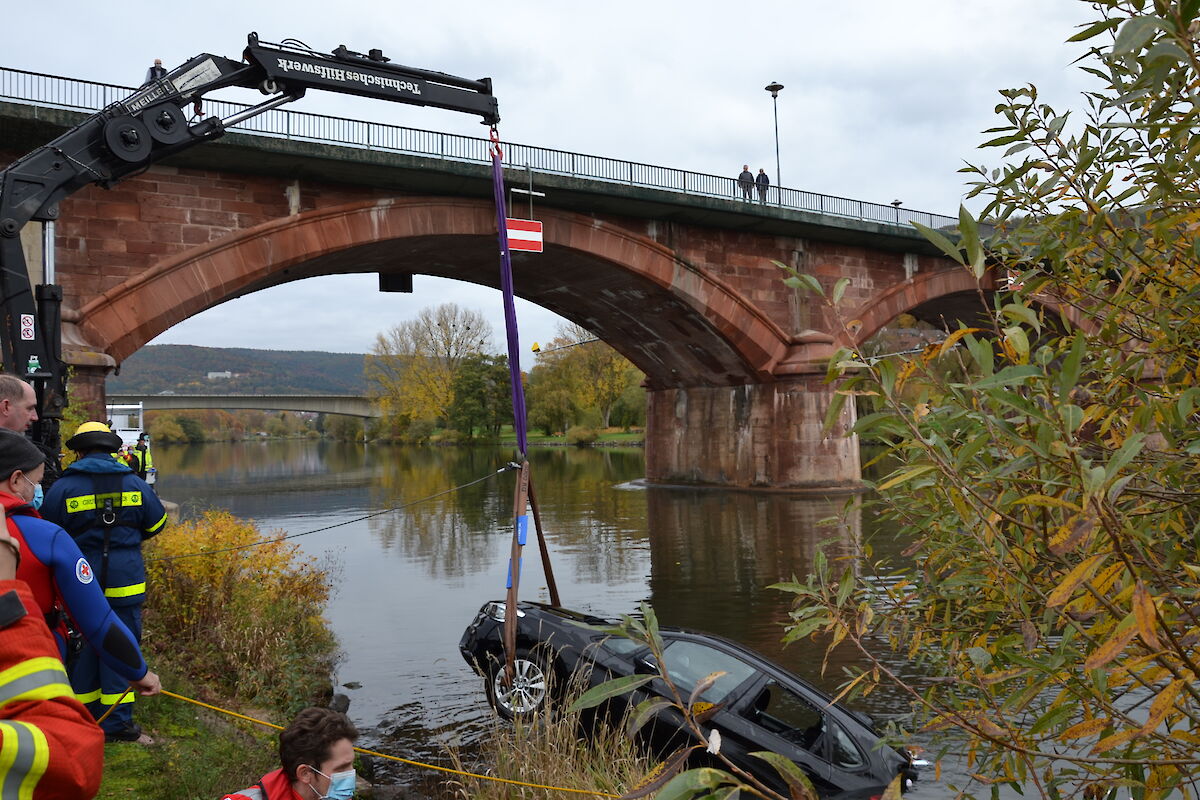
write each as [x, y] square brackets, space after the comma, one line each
[763, 183]
[109, 511]
[746, 182]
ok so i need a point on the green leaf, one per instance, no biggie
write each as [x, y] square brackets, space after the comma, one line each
[839, 289]
[644, 711]
[1135, 33]
[1009, 376]
[1095, 29]
[1019, 312]
[1133, 445]
[1069, 375]
[614, 688]
[941, 243]
[798, 782]
[969, 230]
[692, 783]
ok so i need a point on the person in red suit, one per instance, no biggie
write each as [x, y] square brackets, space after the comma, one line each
[50, 746]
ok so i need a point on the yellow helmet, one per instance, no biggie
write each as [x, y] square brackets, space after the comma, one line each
[94, 436]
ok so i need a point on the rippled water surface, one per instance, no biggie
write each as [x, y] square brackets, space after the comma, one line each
[409, 581]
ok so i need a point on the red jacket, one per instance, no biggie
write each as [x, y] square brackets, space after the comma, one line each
[273, 786]
[50, 743]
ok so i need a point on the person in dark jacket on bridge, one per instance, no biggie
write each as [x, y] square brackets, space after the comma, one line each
[109, 511]
[763, 183]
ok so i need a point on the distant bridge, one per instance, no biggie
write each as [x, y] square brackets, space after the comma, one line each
[350, 405]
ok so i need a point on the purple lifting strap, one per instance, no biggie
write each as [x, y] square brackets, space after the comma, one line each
[510, 309]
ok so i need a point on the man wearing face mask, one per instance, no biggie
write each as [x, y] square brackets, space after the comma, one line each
[59, 577]
[109, 511]
[317, 754]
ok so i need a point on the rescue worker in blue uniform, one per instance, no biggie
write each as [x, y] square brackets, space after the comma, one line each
[109, 511]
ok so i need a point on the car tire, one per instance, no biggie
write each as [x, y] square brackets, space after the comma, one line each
[531, 688]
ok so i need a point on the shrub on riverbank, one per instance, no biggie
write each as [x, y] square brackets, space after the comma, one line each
[246, 624]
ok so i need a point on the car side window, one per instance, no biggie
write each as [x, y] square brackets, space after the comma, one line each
[788, 716]
[688, 663]
[843, 752]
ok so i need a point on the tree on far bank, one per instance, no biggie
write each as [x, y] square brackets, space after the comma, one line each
[578, 366]
[482, 398]
[1048, 492]
[413, 364]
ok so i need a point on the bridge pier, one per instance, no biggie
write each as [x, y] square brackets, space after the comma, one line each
[764, 436]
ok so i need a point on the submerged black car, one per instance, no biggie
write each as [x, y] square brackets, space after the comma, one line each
[763, 706]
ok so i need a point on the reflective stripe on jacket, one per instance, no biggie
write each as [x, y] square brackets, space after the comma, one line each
[49, 745]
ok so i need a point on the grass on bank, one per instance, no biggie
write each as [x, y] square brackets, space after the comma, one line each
[553, 748]
[238, 628]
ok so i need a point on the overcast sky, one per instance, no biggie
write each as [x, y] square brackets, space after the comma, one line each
[883, 100]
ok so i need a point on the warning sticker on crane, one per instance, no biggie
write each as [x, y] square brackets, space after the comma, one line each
[27, 327]
[524, 234]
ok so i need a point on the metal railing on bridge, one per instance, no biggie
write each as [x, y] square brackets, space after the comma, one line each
[56, 91]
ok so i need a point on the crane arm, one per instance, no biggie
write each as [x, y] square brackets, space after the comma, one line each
[151, 124]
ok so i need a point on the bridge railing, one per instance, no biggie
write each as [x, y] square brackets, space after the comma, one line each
[70, 93]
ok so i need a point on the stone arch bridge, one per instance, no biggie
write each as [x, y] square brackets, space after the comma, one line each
[682, 284]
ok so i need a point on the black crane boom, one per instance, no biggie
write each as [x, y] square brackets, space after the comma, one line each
[151, 124]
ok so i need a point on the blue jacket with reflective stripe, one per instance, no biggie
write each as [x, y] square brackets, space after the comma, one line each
[53, 550]
[76, 502]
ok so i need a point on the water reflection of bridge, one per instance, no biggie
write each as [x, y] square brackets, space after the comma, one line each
[350, 405]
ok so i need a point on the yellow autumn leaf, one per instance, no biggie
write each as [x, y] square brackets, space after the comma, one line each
[1116, 740]
[1144, 613]
[953, 339]
[1089, 727]
[906, 475]
[1164, 701]
[1046, 500]
[1112, 648]
[1082, 571]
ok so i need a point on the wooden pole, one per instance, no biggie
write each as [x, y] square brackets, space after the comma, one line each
[545, 552]
[520, 531]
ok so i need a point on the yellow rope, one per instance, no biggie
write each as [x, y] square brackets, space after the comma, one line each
[397, 758]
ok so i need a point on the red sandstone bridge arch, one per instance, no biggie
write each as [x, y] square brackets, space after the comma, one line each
[678, 324]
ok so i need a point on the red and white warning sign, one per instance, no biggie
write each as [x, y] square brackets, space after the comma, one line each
[27, 327]
[524, 234]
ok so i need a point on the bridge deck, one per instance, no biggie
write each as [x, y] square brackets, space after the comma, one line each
[347, 404]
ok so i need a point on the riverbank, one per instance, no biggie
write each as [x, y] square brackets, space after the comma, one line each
[234, 617]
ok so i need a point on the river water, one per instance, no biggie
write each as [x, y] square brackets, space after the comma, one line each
[408, 582]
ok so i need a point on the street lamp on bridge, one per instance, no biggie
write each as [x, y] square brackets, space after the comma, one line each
[774, 88]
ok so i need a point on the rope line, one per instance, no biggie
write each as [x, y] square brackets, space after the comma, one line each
[505, 468]
[377, 754]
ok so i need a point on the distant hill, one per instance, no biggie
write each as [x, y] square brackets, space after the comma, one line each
[184, 369]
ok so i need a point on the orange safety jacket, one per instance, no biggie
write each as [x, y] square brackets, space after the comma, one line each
[50, 747]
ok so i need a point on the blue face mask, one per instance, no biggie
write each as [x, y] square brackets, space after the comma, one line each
[38, 495]
[341, 785]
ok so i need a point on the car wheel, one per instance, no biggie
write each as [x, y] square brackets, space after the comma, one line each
[530, 688]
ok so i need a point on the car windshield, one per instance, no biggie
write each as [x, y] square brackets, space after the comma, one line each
[688, 663]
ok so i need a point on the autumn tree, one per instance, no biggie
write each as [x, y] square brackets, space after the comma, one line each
[412, 366]
[1049, 492]
[579, 366]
